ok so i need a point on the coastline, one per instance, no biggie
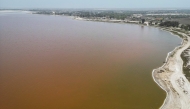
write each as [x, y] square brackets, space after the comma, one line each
[110, 21]
[171, 79]
[169, 76]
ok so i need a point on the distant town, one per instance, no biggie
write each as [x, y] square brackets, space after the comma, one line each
[168, 18]
[43, 43]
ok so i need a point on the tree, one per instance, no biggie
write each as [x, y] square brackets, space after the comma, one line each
[170, 23]
[150, 23]
[143, 20]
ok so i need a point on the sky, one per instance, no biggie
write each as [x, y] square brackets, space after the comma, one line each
[23, 4]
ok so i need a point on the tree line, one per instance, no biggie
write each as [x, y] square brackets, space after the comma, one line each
[186, 27]
[170, 24]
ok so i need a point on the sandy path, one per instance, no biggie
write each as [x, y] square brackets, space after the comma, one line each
[170, 78]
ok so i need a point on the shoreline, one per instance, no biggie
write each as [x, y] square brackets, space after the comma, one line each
[169, 77]
[110, 21]
[166, 60]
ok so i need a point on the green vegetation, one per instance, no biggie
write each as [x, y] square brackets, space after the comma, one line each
[165, 18]
[106, 14]
[170, 24]
[143, 20]
[185, 27]
[185, 69]
[176, 33]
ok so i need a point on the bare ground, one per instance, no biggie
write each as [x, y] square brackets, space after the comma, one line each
[170, 78]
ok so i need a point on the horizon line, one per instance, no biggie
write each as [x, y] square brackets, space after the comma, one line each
[100, 8]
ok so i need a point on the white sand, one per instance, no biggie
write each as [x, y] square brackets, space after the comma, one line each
[170, 78]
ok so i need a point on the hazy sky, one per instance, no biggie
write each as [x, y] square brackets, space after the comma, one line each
[94, 3]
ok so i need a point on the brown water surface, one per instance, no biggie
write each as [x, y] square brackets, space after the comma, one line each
[54, 62]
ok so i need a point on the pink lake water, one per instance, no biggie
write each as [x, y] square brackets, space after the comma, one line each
[55, 62]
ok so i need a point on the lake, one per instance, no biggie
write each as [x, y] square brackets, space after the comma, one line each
[56, 62]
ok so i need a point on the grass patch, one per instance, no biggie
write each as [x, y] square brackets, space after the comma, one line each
[185, 70]
[176, 33]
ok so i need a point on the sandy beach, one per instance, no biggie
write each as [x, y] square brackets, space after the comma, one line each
[170, 78]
